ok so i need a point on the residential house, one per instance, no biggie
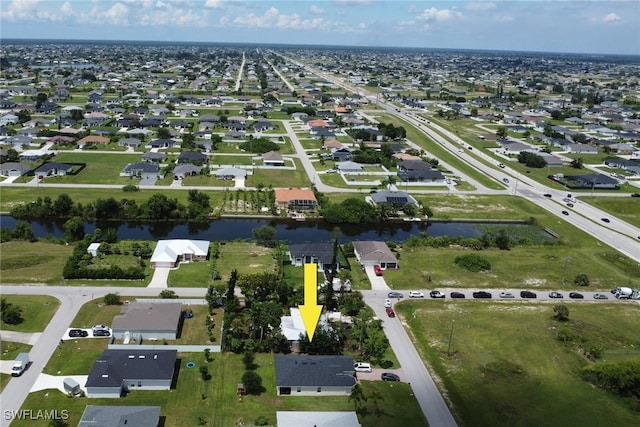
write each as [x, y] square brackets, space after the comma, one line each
[231, 173]
[130, 142]
[396, 199]
[34, 155]
[162, 143]
[370, 253]
[307, 253]
[192, 157]
[14, 169]
[272, 158]
[141, 170]
[53, 169]
[581, 149]
[349, 167]
[263, 125]
[170, 253]
[316, 419]
[295, 198]
[153, 157]
[551, 160]
[148, 321]
[93, 139]
[593, 181]
[117, 371]
[304, 375]
[18, 140]
[120, 416]
[292, 326]
[183, 170]
[341, 154]
[631, 166]
[8, 119]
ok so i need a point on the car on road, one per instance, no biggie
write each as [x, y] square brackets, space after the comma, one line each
[565, 213]
[506, 295]
[389, 376]
[555, 295]
[416, 294]
[501, 165]
[600, 296]
[390, 312]
[605, 220]
[569, 205]
[576, 295]
[505, 180]
[101, 333]
[387, 303]
[547, 195]
[436, 294]
[635, 194]
[362, 367]
[75, 333]
[456, 295]
[482, 294]
[394, 294]
[331, 171]
[377, 270]
[527, 294]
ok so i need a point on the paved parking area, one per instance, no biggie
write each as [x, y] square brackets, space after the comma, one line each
[375, 373]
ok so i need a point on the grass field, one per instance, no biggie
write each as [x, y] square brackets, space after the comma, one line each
[283, 178]
[101, 168]
[24, 262]
[220, 407]
[507, 368]
[11, 349]
[626, 208]
[37, 311]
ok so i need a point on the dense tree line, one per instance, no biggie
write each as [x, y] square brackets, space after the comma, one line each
[350, 211]
[259, 145]
[621, 378]
[157, 207]
[532, 160]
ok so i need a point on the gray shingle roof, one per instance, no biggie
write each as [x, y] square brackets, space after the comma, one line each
[120, 416]
[114, 366]
[314, 371]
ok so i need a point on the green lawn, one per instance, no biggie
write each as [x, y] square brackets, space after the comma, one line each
[283, 178]
[38, 262]
[101, 168]
[37, 311]
[624, 207]
[506, 366]
[4, 380]
[75, 356]
[215, 401]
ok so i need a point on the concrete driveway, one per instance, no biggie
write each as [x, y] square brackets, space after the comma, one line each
[159, 279]
[377, 282]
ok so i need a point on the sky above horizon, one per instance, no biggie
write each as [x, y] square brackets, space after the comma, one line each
[590, 26]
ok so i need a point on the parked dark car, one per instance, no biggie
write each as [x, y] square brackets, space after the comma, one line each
[187, 314]
[605, 220]
[547, 195]
[527, 294]
[389, 376]
[394, 294]
[101, 333]
[576, 295]
[390, 312]
[482, 294]
[456, 295]
[600, 296]
[75, 333]
[635, 194]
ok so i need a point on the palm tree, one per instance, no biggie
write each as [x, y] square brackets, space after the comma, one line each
[357, 395]
[562, 312]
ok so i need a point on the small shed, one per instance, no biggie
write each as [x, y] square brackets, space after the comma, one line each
[71, 386]
[93, 249]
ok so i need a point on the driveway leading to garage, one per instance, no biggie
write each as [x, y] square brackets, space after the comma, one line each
[377, 282]
[160, 277]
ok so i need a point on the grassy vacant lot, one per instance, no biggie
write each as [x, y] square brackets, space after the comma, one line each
[521, 267]
[13, 195]
[75, 357]
[24, 262]
[215, 401]
[507, 368]
[282, 178]
[37, 311]
[101, 168]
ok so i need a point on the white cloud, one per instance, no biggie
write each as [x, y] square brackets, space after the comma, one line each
[353, 2]
[612, 17]
[316, 10]
[66, 8]
[20, 9]
[118, 14]
[480, 6]
[213, 4]
[438, 15]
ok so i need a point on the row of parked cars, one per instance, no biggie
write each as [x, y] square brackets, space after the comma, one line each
[96, 331]
[487, 295]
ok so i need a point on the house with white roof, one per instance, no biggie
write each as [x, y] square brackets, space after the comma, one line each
[170, 253]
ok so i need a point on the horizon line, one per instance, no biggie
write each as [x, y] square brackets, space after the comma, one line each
[312, 45]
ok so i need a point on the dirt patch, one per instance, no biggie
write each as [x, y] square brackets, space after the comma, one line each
[535, 282]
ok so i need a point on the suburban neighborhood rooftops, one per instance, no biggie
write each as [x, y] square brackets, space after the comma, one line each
[114, 366]
[169, 250]
[304, 370]
[120, 416]
[148, 316]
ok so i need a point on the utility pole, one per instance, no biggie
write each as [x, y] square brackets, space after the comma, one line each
[564, 269]
[450, 338]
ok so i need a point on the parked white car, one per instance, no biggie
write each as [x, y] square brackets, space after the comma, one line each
[416, 294]
[387, 302]
[362, 367]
